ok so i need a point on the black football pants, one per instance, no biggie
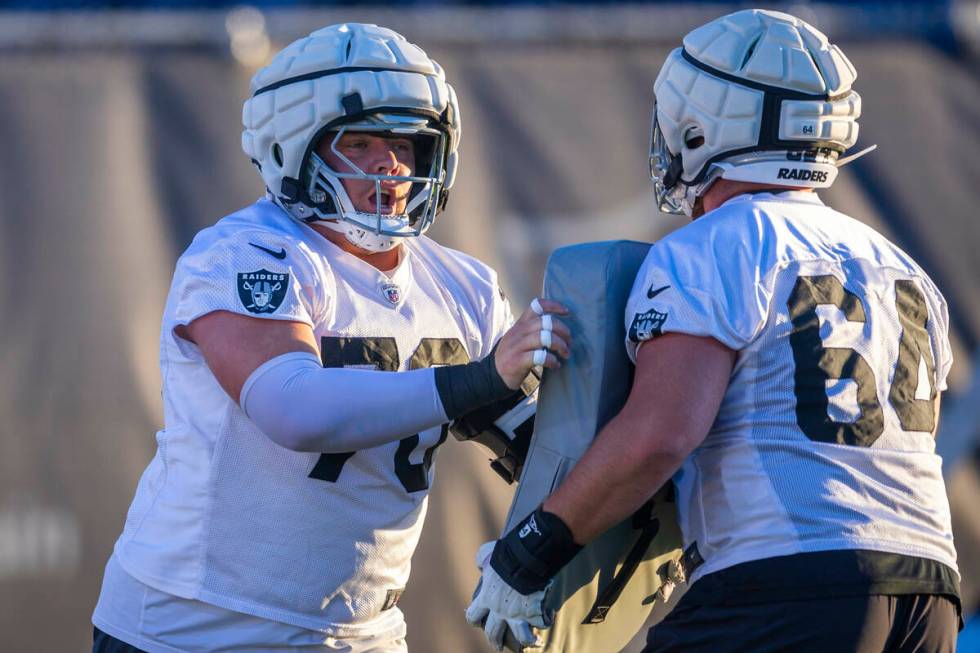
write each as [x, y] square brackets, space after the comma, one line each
[913, 623]
[105, 643]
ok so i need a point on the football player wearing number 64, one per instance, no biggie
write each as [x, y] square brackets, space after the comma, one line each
[789, 364]
[315, 346]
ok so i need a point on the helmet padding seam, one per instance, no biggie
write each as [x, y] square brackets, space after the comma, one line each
[337, 71]
[787, 93]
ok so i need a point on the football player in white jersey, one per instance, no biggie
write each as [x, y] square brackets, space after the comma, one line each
[789, 363]
[314, 347]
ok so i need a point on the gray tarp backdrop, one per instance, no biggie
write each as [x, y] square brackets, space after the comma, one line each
[119, 138]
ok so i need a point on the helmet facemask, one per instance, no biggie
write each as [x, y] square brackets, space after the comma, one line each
[378, 230]
[673, 194]
[333, 80]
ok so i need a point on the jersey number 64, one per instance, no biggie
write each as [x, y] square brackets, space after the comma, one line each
[817, 364]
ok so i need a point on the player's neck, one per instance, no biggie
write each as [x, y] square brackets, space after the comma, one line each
[725, 189]
[383, 261]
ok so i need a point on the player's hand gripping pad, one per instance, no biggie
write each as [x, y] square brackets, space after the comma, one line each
[504, 427]
[629, 563]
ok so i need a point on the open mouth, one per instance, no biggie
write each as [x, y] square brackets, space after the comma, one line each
[382, 202]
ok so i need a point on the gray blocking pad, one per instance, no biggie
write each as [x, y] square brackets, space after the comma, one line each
[593, 280]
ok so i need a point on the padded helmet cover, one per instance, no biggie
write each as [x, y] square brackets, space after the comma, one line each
[346, 74]
[744, 94]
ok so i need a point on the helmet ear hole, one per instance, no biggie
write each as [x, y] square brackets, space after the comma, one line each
[277, 154]
[693, 137]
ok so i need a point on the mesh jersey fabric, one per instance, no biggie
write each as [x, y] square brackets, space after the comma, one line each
[766, 482]
[159, 622]
[224, 515]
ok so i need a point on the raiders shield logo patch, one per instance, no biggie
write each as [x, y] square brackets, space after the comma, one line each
[647, 325]
[262, 291]
[391, 292]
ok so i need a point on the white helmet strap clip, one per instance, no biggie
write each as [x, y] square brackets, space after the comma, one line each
[857, 155]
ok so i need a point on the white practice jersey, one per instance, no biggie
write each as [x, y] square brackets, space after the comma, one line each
[224, 515]
[824, 439]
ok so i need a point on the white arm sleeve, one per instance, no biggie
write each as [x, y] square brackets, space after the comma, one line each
[303, 406]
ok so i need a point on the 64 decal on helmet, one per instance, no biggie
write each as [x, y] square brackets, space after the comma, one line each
[262, 291]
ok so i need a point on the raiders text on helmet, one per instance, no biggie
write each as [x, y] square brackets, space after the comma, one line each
[346, 78]
[755, 96]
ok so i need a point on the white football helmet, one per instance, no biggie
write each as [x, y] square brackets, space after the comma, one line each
[757, 96]
[352, 77]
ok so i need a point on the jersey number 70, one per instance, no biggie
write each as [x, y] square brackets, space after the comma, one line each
[382, 354]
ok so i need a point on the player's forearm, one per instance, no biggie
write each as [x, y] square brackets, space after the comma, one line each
[610, 482]
[304, 407]
[679, 384]
[613, 480]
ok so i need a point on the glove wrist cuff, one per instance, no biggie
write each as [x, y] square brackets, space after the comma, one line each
[468, 386]
[534, 551]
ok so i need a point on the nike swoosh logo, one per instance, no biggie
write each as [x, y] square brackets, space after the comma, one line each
[651, 293]
[281, 254]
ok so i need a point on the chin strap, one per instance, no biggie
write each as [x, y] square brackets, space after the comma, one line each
[357, 235]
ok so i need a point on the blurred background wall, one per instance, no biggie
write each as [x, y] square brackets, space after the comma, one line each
[119, 139]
